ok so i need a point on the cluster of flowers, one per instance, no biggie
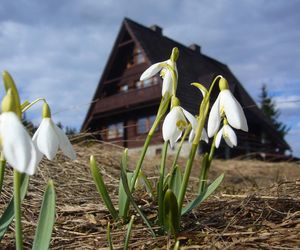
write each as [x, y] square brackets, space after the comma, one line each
[225, 109]
[19, 150]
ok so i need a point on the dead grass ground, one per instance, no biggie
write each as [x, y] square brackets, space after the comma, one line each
[257, 206]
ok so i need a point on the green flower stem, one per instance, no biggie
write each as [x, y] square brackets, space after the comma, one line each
[202, 116]
[33, 103]
[205, 168]
[2, 170]
[187, 131]
[213, 84]
[161, 183]
[164, 104]
[186, 176]
[17, 208]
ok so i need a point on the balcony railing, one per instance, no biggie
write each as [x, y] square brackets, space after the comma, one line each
[128, 99]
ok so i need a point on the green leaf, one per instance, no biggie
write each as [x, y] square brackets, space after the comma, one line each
[171, 213]
[200, 198]
[2, 171]
[149, 188]
[9, 213]
[129, 195]
[128, 233]
[177, 245]
[123, 209]
[102, 188]
[46, 219]
[203, 173]
[176, 180]
[110, 244]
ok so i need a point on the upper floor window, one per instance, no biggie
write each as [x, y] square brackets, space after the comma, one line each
[146, 83]
[124, 88]
[115, 130]
[136, 58]
[144, 124]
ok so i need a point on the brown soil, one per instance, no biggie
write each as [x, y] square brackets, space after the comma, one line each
[256, 207]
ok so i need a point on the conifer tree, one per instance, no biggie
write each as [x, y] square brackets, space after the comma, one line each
[269, 108]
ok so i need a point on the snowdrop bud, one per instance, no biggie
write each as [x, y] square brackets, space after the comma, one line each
[46, 111]
[223, 84]
[10, 84]
[175, 102]
[175, 54]
[8, 102]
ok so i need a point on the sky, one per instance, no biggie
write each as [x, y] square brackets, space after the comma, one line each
[57, 49]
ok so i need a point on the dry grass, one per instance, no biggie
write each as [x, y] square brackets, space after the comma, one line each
[257, 207]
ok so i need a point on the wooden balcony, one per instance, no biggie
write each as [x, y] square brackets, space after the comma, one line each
[127, 100]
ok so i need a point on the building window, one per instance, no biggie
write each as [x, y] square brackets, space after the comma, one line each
[139, 57]
[115, 130]
[124, 88]
[136, 58]
[146, 83]
[144, 124]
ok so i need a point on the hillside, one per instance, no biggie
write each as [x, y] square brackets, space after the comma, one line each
[257, 206]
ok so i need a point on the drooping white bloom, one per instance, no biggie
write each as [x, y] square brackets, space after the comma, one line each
[174, 124]
[204, 136]
[227, 105]
[167, 85]
[49, 138]
[17, 147]
[229, 136]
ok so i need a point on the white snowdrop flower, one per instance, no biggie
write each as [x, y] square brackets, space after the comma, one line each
[229, 136]
[174, 124]
[16, 144]
[226, 106]
[49, 138]
[167, 86]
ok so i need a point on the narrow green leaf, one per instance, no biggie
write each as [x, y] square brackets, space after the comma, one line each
[102, 188]
[211, 188]
[171, 213]
[110, 244]
[8, 215]
[176, 180]
[123, 209]
[129, 195]
[177, 245]
[203, 173]
[146, 183]
[128, 233]
[46, 220]
[2, 171]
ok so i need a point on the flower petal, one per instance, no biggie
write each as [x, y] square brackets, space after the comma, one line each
[151, 71]
[218, 138]
[214, 118]
[192, 119]
[47, 139]
[170, 130]
[191, 136]
[233, 110]
[18, 149]
[229, 136]
[64, 143]
[204, 136]
[167, 85]
[39, 155]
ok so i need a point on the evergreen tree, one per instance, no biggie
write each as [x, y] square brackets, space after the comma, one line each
[269, 108]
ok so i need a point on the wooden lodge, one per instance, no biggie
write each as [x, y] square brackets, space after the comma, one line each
[123, 107]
